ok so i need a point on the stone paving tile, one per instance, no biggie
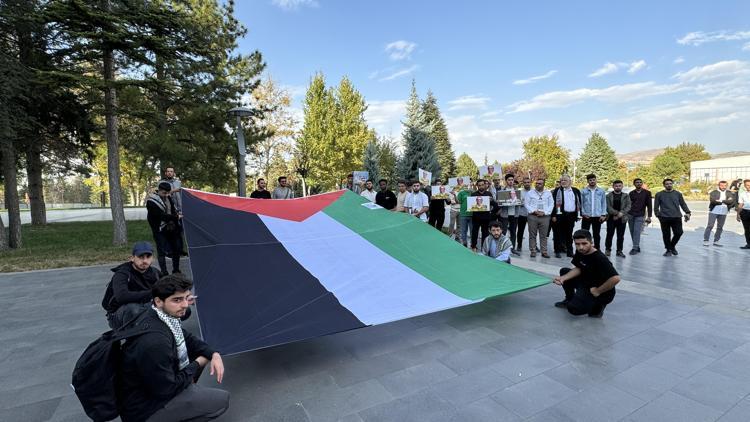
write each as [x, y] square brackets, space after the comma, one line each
[415, 378]
[352, 399]
[526, 365]
[715, 390]
[421, 406]
[710, 344]
[680, 361]
[738, 413]
[734, 365]
[656, 340]
[471, 359]
[471, 386]
[482, 410]
[33, 412]
[598, 403]
[645, 382]
[673, 407]
[533, 395]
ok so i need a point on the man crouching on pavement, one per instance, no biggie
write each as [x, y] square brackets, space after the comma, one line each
[590, 285]
[159, 369]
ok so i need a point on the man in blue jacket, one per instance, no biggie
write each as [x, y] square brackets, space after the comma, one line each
[593, 209]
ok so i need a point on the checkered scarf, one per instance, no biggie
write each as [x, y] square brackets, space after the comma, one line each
[175, 326]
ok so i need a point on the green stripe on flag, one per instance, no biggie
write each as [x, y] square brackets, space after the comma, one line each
[430, 252]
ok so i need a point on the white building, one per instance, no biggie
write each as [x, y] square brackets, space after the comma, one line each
[728, 169]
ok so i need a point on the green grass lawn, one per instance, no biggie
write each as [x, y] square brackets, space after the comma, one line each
[60, 245]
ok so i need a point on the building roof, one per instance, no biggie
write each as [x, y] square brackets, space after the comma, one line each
[738, 161]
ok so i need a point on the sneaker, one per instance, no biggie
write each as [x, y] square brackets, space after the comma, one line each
[638, 249]
[667, 253]
[545, 255]
[599, 315]
[745, 247]
[608, 252]
[532, 255]
[674, 252]
[705, 243]
[515, 252]
[718, 245]
[176, 272]
[633, 252]
[620, 254]
[562, 304]
[557, 255]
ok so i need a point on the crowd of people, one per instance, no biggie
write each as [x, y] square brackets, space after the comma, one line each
[160, 368]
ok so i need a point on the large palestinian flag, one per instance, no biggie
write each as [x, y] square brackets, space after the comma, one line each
[270, 272]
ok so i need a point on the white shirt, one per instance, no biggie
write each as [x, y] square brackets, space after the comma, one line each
[721, 209]
[415, 202]
[744, 199]
[369, 194]
[570, 200]
[534, 201]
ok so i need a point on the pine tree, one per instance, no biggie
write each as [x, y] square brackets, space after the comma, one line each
[597, 158]
[465, 166]
[370, 160]
[439, 133]
[388, 160]
[419, 147]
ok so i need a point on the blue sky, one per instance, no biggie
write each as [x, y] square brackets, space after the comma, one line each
[643, 74]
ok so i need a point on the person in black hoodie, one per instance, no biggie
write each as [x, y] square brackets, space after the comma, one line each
[481, 220]
[130, 288]
[159, 369]
[164, 218]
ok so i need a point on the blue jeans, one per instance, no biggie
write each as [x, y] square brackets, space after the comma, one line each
[636, 227]
[464, 225]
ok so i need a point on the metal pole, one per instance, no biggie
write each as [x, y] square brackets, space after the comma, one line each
[241, 161]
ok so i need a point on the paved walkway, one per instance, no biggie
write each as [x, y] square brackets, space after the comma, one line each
[673, 346]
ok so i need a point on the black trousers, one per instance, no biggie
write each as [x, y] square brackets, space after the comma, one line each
[509, 225]
[745, 218]
[168, 245]
[437, 219]
[476, 224]
[671, 231]
[563, 230]
[613, 226]
[579, 297]
[595, 226]
[520, 229]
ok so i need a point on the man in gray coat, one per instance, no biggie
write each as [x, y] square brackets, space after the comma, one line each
[667, 206]
[618, 206]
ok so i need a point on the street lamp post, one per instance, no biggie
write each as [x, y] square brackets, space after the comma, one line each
[239, 113]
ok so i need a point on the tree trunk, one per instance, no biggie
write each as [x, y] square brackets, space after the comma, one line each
[120, 236]
[36, 187]
[8, 154]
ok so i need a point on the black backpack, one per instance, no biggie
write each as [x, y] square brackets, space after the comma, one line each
[95, 377]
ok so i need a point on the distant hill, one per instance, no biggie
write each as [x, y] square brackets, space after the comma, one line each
[636, 158]
[730, 154]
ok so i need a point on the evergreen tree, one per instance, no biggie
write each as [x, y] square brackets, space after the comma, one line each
[370, 160]
[598, 158]
[465, 166]
[439, 132]
[419, 147]
[351, 131]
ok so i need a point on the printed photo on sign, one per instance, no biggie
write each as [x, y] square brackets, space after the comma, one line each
[440, 192]
[508, 198]
[360, 177]
[492, 171]
[425, 177]
[462, 181]
[478, 203]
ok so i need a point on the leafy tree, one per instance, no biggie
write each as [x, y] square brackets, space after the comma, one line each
[548, 151]
[526, 168]
[388, 160]
[598, 158]
[687, 152]
[352, 133]
[465, 166]
[664, 166]
[419, 146]
[370, 160]
[439, 132]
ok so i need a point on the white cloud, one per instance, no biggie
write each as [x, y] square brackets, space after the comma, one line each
[612, 94]
[723, 69]
[636, 66]
[294, 4]
[534, 78]
[469, 101]
[400, 50]
[399, 73]
[295, 91]
[604, 70]
[679, 60]
[746, 47]
[385, 116]
[699, 37]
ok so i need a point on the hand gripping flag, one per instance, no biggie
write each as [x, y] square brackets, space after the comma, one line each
[270, 272]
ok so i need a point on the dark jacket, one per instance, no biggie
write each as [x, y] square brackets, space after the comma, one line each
[667, 204]
[561, 208]
[624, 205]
[150, 374]
[129, 285]
[714, 196]
[640, 203]
[158, 217]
